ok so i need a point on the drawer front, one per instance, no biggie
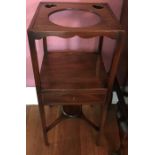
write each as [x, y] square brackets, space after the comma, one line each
[74, 97]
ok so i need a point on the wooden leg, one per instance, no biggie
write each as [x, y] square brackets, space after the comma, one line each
[100, 138]
[45, 45]
[43, 122]
[110, 100]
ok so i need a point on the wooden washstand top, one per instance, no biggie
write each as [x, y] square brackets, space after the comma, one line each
[41, 26]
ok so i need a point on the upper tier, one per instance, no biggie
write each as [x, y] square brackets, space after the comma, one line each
[107, 24]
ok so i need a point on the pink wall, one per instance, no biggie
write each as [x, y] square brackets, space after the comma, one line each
[55, 43]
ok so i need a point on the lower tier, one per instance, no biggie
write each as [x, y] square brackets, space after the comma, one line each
[72, 78]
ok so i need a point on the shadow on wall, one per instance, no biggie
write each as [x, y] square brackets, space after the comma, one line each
[75, 43]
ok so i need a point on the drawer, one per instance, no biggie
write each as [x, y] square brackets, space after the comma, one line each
[77, 97]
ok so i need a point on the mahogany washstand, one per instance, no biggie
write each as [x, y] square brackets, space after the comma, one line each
[72, 79]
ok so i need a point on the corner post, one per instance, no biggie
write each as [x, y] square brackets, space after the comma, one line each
[111, 77]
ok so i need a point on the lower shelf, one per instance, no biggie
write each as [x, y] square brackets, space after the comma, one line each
[72, 78]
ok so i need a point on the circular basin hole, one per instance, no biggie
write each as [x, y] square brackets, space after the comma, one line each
[98, 6]
[74, 18]
[49, 5]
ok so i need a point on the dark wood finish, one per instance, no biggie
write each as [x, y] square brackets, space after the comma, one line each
[100, 45]
[110, 82]
[99, 65]
[45, 45]
[123, 67]
[71, 136]
[43, 121]
[123, 133]
[122, 107]
[34, 59]
[78, 68]
[42, 27]
[70, 78]
[74, 78]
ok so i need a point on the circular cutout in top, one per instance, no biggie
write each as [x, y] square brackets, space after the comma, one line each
[49, 5]
[74, 18]
[98, 6]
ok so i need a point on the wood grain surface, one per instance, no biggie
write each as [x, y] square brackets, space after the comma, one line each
[42, 27]
[71, 136]
[70, 78]
[74, 78]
